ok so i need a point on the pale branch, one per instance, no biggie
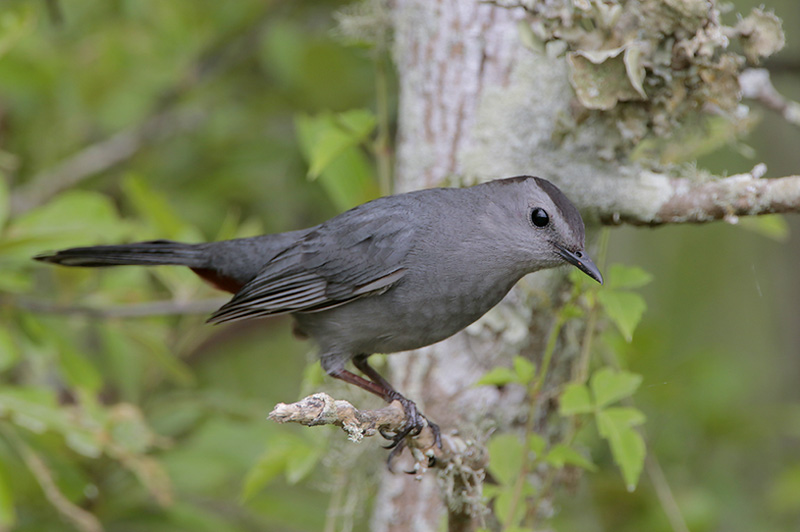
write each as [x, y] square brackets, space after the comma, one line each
[757, 85]
[722, 199]
[163, 121]
[322, 409]
[99, 157]
[80, 518]
[133, 310]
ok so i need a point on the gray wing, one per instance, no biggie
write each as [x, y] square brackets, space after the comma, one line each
[356, 254]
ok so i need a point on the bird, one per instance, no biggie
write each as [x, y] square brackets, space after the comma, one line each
[394, 274]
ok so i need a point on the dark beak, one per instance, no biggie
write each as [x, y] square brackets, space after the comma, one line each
[580, 260]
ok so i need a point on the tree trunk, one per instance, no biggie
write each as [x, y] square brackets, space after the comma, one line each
[479, 100]
[458, 67]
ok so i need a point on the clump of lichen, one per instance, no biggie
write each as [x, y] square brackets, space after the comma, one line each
[656, 72]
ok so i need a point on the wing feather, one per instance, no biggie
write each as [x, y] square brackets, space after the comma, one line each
[357, 254]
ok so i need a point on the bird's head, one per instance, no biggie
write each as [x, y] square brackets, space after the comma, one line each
[545, 225]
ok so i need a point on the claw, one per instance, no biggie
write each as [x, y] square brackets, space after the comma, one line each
[376, 384]
[412, 427]
[431, 461]
[437, 434]
[395, 452]
[398, 438]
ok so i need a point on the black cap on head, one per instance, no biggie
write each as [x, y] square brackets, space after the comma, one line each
[568, 210]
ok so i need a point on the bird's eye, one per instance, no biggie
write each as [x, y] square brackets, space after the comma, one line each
[539, 217]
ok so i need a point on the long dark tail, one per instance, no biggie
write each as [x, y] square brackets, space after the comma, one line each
[140, 253]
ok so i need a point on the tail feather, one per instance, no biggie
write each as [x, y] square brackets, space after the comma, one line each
[152, 253]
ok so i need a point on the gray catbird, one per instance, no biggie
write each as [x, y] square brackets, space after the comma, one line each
[397, 273]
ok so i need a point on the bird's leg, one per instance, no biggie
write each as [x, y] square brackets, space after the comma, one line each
[388, 394]
[361, 382]
[414, 424]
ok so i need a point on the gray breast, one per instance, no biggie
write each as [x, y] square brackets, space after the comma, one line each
[408, 316]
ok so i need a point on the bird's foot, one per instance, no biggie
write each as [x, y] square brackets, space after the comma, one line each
[414, 424]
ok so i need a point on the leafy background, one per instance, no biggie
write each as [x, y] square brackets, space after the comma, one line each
[158, 422]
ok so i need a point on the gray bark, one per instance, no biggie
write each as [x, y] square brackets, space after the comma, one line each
[461, 92]
[477, 104]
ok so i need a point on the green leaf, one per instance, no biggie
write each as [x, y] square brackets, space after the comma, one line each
[505, 456]
[623, 416]
[562, 454]
[78, 370]
[271, 463]
[624, 308]
[575, 400]
[627, 445]
[772, 226]
[89, 444]
[622, 276]
[35, 407]
[4, 200]
[502, 506]
[330, 144]
[73, 218]
[537, 444]
[326, 137]
[37, 410]
[525, 369]
[349, 180]
[499, 376]
[609, 385]
[571, 311]
[154, 207]
[359, 122]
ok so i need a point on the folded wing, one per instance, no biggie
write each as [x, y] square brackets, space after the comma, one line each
[357, 254]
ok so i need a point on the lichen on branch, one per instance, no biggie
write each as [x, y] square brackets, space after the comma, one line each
[322, 409]
[650, 68]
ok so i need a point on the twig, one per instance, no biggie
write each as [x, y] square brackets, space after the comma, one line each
[80, 518]
[655, 473]
[534, 390]
[757, 85]
[322, 409]
[162, 122]
[134, 310]
[664, 494]
[722, 199]
[100, 157]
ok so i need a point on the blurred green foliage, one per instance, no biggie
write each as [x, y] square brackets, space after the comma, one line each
[206, 120]
[135, 120]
